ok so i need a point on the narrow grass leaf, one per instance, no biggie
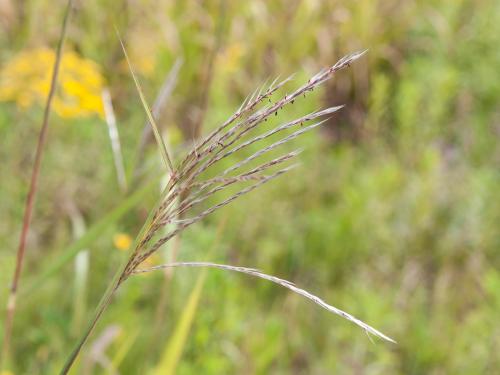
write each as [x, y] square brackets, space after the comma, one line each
[161, 144]
[176, 343]
[123, 350]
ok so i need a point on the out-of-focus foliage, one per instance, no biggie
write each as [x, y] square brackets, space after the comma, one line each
[393, 215]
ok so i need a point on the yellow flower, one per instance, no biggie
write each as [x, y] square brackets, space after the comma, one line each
[122, 241]
[25, 79]
[6, 372]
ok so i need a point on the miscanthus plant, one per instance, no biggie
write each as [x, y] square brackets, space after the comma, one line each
[195, 181]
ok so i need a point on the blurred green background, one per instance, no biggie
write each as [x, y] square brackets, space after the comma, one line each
[393, 216]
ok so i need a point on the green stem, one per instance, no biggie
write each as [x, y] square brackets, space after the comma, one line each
[103, 304]
[118, 279]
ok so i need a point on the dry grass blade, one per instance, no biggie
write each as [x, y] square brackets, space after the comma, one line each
[284, 283]
[166, 89]
[114, 137]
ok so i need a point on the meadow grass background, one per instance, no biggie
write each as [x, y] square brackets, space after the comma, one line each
[393, 216]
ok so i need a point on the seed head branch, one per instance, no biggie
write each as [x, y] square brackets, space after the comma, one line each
[284, 283]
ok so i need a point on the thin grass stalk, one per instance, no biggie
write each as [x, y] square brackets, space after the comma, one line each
[30, 200]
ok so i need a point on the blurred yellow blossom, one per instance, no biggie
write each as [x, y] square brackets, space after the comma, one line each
[229, 58]
[6, 372]
[25, 79]
[122, 241]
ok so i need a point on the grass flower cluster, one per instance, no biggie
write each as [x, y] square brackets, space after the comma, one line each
[195, 182]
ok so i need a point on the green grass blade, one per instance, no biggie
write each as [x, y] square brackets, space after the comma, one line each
[122, 351]
[176, 343]
[163, 148]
